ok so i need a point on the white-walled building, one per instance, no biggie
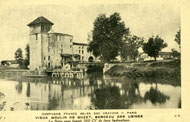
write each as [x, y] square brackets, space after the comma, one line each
[82, 50]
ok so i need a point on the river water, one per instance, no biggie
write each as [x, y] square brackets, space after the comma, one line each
[92, 92]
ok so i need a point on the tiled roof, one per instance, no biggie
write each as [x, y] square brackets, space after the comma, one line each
[40, 20]
[62, 34]
[66, 55]
[82, 44]
[52, 32]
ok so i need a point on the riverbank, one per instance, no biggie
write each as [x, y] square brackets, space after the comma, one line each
[3, 67]
[165, 70]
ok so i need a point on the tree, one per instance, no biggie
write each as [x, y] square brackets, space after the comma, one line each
[154, 46]
[27, 59]
[19, 56]
[178, 38]
[175, 53]
[131, 46]
[107, 36]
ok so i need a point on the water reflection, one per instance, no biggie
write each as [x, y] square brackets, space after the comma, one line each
[132, 93]
[52, 103]
[19, 87]
[107, 98]
[179, 104]
[92, 92]
[28, 90]
[155, 96]
[121, 97]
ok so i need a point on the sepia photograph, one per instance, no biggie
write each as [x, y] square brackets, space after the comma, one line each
[90, 57]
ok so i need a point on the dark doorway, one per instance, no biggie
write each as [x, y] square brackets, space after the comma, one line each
[90, 59]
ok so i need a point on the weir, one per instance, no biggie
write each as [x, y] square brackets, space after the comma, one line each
[38, 74]
[12, 73]
[66, 74]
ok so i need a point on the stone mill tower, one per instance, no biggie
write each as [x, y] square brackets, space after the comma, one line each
[39, 29]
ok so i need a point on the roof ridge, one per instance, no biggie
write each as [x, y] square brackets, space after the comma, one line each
[40, 19]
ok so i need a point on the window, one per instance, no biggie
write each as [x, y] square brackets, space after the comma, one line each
[42, 27]
[61, 45]
[70, 40]
[47, 28]
[56, 37]
[48, 57]
[44, 58]
[82, 51]
[59, 38]
[79, 51]
[82, 47]
[61, 50]
[82, 57]
[36, 36]
[70, 46]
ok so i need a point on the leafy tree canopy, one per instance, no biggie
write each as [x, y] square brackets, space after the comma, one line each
[18, 55]
[178, 37]
[131, 46]
[107, 36]
[154, 46]
[175, 53]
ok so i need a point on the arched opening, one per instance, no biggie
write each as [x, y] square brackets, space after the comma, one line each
[90, 59]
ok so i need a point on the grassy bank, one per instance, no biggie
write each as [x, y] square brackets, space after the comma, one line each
[159, 69]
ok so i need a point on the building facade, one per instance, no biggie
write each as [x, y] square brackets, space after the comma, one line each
[81, 49]
[161, 56]
[49, 49]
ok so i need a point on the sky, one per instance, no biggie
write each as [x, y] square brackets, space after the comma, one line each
[143, 20]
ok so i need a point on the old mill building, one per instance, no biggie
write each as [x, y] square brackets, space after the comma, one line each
[49, 49]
